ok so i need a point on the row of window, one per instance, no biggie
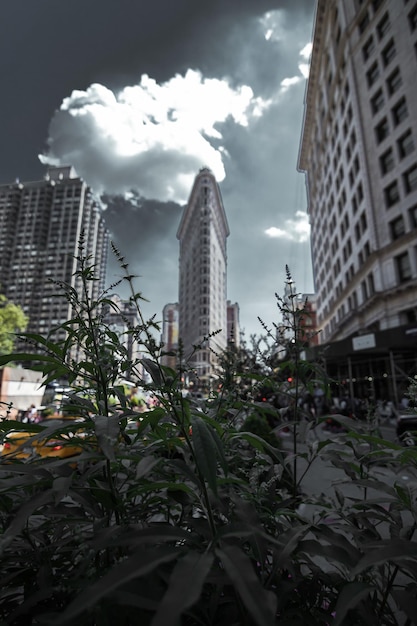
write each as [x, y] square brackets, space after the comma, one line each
[382, 27]
[392, 191]
[399, 114]
[405, 145]
[387, 55]
[398, 225]
[327, 288]
[404, 273]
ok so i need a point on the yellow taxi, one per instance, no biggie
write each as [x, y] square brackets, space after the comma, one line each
[24, 444]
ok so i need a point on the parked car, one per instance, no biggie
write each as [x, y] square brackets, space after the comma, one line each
[407, 426]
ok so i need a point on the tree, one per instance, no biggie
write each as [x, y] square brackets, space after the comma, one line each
[12, 320]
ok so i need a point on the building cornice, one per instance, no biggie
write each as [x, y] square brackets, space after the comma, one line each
[312, 82]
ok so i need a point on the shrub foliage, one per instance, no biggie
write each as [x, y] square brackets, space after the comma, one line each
[186, 514]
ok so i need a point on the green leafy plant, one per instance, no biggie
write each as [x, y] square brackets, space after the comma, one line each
[12, 321]
[190, 512]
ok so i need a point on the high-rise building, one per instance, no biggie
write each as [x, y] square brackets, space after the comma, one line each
[358, 150]
[233, 324]
[41, 225]
[202, 234]
[170, 328]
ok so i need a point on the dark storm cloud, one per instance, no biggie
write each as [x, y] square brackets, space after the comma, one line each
[139, 226]
[49, 48]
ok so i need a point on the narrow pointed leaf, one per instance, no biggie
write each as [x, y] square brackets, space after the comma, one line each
[396, 550]
[8, 358]
[205, 451]
[145, 465]
[153, 369]
[349, 598]
[219, 450]
[261, 604]
[185, 587]
[137, 565]
[20, 519]
[107, 430]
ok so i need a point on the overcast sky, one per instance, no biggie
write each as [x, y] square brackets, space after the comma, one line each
[138, 96]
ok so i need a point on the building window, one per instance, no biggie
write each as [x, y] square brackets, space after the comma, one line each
[388, 53]
[403, 265]
[372, 74]
[360, 193]
[400, 112]
[412, 18]
[383, 26]
[413, 216]
[364, 223]
[382, 130]
[386, 161]
[405, 144]
[371, 284]
[394, 81]
[364, 23]
[368, 48]
[364, 291]
[377, 101]
[397, 227]
[356, 164]
[391, 194]
[410, 179]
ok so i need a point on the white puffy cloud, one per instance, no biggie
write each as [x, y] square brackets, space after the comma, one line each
[306, 51]
[273, 24]
[149, 137]
[274, 28]
[288, 82]
[297, 229]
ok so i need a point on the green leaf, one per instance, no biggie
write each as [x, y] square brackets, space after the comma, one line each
[60, 487]
[219, 450]
[185, 587]
[260, 444]
[17, 356]
[107, 431]
[145, 465]
[205, 451]
[261, 604]
[21, 518]
[349, 597]
[11, 425]
[153, 369]
[331, 553]
[135, 566]
[395, 550]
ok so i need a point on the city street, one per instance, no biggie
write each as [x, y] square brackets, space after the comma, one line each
[322, 476]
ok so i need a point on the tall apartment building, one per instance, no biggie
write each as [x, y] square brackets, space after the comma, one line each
[202, 234]
[169, 337]
[358, 150]
[41, 223]
[233, 323]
